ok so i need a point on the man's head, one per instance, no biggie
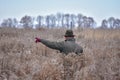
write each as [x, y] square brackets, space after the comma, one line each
[69, 33]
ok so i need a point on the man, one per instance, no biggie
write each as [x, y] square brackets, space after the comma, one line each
[67, 46]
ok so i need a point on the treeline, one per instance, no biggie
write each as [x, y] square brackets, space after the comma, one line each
[59, 20]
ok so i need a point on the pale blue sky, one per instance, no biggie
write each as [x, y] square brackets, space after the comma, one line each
[98, 9]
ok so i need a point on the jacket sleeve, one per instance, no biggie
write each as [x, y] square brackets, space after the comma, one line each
[53, 45]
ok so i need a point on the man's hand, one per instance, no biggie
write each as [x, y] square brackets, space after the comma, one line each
[37, 40]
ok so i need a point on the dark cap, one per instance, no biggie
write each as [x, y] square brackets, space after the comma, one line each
[69, 33]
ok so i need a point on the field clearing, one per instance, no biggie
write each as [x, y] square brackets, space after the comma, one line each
[22, 59]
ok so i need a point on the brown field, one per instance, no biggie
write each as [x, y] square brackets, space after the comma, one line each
[22, 59]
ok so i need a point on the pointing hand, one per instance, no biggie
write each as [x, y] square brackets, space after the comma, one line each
[37, 40]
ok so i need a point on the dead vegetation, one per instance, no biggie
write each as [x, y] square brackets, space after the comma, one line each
[22, 59]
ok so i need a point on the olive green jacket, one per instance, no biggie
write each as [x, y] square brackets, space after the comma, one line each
[67, 46]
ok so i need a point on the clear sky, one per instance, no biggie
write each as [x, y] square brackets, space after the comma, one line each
[98, 9]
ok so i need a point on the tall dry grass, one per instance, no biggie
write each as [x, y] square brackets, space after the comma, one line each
[22, 59]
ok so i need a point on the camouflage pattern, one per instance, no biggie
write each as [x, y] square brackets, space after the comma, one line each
[67, 46]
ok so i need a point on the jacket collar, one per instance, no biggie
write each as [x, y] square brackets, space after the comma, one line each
[70, 39]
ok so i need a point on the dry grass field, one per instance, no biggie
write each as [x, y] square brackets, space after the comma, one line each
[22, 59]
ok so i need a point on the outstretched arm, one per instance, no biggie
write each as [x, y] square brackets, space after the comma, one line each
[53, 45]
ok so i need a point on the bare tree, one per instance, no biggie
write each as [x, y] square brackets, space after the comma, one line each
[4, 23]
[27, 21]
[15, 23]
[63, 21]
[111, 22]
[90, 22]
[79, 20]
[39, 21]
[48, 21]
[59, 17]
[9, 23]
[84, 23]
[117, 23]
[67, 18]
[72, 20]
[53, 20]
[104, 24]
